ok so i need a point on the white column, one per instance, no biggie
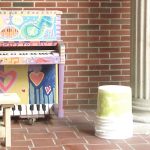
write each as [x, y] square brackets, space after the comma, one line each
[140, 59]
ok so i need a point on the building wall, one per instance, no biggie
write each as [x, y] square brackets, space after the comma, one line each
[96, 34]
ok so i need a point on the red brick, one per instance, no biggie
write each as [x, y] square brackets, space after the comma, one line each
[99, 67]
[98, 33]
[70, 85]
[45, 4]
[75, 146]
[78, 10]
[47, 148]
[89, 4]
[102, 146]
[69, 27]
[108, 16]
[71, 73]
[120, 10]
[126, 61]
[125, 27]
[67, 4]
[79, 90]
[78, 21]
[126, 72]
[88, 38]
[89, 73]
[113, 4]
[110, 27]
[70, 141]
[77, 79]
[88, 50]
[5, 4]
[42, 142]
[120, 44]
[126, 4]
[99, 44]
[80, 67]
[110, 38]
[67, 134]
[87, 96]
[71, 50]
[98, 21]
[99, 55]
[100, 10]
[110, 61]
[78, 44]
[76, 33]
[125, 38]
[120, 55]
[88, 15]
[121, 32]
[22, 143]
[91, 84]
[88, 62]
[70, 39]
[77, 56]
[70, 96]
[122, 78]
[109, 50]
[101, 78]
[114, 72]
[120, 66]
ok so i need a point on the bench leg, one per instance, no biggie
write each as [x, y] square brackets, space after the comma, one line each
[7, 124]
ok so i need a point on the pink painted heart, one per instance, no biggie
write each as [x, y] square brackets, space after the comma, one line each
[36, 77]
[10, 76]
[48, 89]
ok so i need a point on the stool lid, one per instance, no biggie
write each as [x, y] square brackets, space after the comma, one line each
[114, 88]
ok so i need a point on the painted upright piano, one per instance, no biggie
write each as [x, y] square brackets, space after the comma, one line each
[32, 57]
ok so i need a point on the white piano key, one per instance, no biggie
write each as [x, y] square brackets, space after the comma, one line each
[49, 108]
[40, 112]
[29, 111]
[12, 111]
[24, 109]
[1, 111]
[35, 112]
[16, 112]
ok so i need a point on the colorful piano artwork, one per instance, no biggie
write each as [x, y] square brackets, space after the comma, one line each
[32, 58]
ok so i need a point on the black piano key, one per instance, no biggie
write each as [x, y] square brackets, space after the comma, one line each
[13, 108]
[31, 107]
[44, 107]
[38, 107]
[19, 108]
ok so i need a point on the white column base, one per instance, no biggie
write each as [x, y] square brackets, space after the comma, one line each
[141, 110]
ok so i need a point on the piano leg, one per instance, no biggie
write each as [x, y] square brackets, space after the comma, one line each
[60, 89]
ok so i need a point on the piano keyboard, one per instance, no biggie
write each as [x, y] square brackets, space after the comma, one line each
[26, 53]
[29, 57]
[28, 110]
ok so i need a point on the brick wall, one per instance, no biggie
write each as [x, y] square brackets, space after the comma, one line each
[97, 38]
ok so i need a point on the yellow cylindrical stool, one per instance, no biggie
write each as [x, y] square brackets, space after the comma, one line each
[114, 118]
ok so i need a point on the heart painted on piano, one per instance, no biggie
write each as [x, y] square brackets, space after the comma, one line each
[36, 77]
[48, 89]
[7, 80]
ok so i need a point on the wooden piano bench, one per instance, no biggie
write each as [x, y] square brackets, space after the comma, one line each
[7, 101]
